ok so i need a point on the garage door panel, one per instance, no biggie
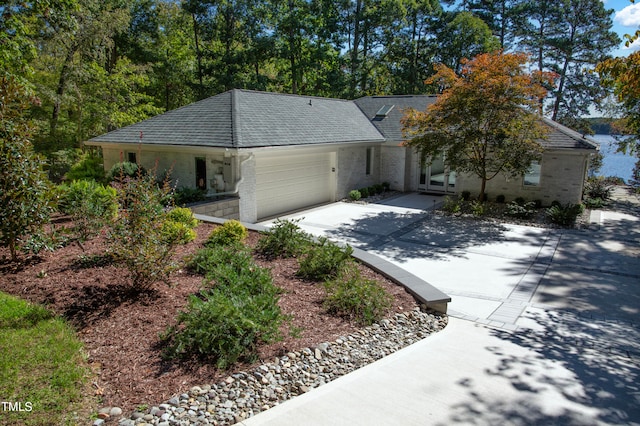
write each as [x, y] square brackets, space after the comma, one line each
[292, 182]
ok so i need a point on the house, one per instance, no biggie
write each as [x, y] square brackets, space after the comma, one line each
[270, 153]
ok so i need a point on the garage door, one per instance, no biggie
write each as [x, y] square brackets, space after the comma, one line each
[287, 183]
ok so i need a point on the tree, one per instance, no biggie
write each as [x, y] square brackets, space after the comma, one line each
[484, 121]
[24, 188]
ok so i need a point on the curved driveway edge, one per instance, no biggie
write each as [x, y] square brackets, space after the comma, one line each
[554, 336]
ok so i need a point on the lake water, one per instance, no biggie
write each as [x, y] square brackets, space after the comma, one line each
[614, 163]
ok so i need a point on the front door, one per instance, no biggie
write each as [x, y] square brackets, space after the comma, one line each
[436, 177]
[201, 173]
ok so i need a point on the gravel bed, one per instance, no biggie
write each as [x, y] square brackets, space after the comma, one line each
[245, 394]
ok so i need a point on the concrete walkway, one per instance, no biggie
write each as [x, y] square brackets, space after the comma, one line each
[544, 327]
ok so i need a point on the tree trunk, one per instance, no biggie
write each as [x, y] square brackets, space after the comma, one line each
[198, 56]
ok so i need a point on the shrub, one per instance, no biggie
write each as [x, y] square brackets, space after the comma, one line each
[136, 238]
[386, 186]
[184, 196]
[520, 201]
[521, 211]
[123, 170]
[351, 295]
[323, 260]
[355, 195]
[182, 215]
[537, 203]
[594, 203]
[372, 190]
[378, 188]
[225, 328]
[477, 208]
[565, 215]
[89, 167]
[177, 233]
[466, 195]
[556, 203]
[230, 232]
[500, 199]
[451, 205]
[90, 204]
[598, 187]
[364, 192]
[284, 239]
[238, 311]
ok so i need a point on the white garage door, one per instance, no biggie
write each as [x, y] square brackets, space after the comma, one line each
[286, 183]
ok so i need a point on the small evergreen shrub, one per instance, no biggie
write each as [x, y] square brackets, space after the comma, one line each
[378, 188]
[177, 232]
[351, 295]
[521, 211]
[386, 186]
[355, 195]
[89, 167]
[184, 196]
[521, 201]
[500, 199]
[465, 195]
[123, 170]
[537, 203]
[284, 239]
[598, 187]
[364, 192]
[237, 310]
[565, 215]
[231, 232]
[594, 203]
[451, 205]
[324, 260]
[372, 190]
[90, 204]
[556, 203]
[477, 208]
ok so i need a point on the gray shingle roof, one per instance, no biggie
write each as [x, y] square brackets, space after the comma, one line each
[389, 125]
[246, 119]
[560, 137]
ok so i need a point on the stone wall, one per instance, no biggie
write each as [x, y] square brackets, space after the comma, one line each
[228, 208]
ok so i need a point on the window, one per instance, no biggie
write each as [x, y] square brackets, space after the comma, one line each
[532, 176]
[369, 161]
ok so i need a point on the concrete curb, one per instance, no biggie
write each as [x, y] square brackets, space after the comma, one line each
[427, 294]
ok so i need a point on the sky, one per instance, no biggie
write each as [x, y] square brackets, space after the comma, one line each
[626, 20]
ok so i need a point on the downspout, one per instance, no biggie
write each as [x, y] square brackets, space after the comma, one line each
[236, 185]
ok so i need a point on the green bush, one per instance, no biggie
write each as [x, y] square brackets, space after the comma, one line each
[184, 196]
[386, 186]
[594, 203]
[524, 210]
[284, 239]
[500, 199]
[477, 208]
[565, 215]
[125, 169]
[451, 205]
[355, 195]
[323, 260]
[225, 328]
[520, 201]
[364, 192]
[466, 195]
[182, 215]
[137, 238]
[231, 232]
[353, 296]
[378, 188]
[598, 187]
[90, 204]
[89, 167]
[372, 190]
[237, 310]
[177, 233]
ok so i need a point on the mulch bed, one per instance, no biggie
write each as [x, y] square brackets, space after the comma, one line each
[120, 328]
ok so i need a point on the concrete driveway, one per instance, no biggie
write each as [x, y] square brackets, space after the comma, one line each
[544, 327]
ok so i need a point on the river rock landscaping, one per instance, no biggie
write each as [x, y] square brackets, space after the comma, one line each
[133, 383]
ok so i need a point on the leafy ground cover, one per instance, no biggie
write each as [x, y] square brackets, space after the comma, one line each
[43, 373]
[120, 328]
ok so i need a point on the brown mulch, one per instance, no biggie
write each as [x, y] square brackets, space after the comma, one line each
[120, 328]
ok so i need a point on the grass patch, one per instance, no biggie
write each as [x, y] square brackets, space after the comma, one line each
[41, 366]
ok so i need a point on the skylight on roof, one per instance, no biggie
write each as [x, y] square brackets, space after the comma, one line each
[384, 111]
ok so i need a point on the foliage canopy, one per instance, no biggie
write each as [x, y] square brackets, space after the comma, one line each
[485, 120]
